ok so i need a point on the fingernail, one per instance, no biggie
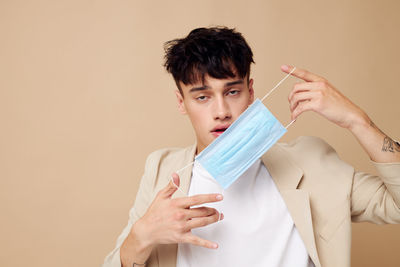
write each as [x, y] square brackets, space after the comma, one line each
[215, 245]
[285, 67]
[221, 216]
[219, 197]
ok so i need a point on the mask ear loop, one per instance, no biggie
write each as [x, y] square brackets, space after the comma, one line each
[273, 89]
[178, 172]
[290, 123]
[276, 86]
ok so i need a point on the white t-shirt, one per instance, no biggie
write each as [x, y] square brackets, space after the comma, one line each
[257, 229]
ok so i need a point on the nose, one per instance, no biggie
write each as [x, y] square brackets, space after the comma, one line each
[221, 109]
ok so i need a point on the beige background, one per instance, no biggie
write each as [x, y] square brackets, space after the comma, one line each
[84, 99]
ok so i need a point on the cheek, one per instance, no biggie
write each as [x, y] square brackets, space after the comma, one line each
[198, 117]
[239, 108]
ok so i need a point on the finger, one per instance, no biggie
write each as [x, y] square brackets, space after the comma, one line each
[200, 212]
[197, 241]
[302, 107]
[187, 202]
[301, 96]
[172, 186]
[302, 74]
[175, 179]
[203, 221]
[305, 86]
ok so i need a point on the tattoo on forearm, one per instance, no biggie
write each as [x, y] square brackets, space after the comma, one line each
[390, 146]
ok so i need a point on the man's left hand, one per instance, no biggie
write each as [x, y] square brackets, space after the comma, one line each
[318, 95]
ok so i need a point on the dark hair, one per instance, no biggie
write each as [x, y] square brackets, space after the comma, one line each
[213, 51]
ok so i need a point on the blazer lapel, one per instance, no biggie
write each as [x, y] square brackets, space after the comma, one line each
[167, 253]
[287, 177]
[186, 174]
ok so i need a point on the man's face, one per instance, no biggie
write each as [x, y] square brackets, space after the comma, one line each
[213, 106]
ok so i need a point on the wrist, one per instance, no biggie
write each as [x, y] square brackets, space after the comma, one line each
[360, 122]
[142, 234]
[136, 248]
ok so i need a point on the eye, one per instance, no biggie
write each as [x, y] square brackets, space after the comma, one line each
[233, 92]
[201, 98]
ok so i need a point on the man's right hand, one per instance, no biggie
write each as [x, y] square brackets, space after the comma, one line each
[170, 221]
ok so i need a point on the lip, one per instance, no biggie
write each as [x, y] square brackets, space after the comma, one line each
[217, 130]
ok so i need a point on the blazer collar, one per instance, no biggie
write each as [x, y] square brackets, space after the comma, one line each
[286, 174]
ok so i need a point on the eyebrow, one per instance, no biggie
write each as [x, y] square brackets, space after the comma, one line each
[205, 87]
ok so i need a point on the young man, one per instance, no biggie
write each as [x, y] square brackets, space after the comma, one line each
[292, 207]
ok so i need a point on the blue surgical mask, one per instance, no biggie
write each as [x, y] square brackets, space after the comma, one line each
[245, 141]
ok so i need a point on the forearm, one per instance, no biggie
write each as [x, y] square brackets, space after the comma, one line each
[380, 147]
[133, 249]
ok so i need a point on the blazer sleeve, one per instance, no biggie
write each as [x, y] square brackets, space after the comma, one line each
[374, 198]
[142, 202]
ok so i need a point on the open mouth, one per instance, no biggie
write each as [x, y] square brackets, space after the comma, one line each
[219, 130]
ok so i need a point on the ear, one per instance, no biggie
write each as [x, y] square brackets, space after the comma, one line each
[181, 104]
[251, 91]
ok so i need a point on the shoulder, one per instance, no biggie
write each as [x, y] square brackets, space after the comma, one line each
[311, 151]
[163, 162]
[308, 144]
[170, 154]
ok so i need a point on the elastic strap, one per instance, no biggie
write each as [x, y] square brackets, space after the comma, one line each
[178, 171]
[287, 126]
[276, 86]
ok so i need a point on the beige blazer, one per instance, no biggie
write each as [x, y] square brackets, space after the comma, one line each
[323, 195]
